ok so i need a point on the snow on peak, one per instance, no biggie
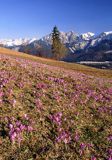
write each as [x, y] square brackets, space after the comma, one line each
[107, 33]
[87, 35]
[16, 42]
[101, 37]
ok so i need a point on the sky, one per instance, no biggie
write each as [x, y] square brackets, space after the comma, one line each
[36, 18]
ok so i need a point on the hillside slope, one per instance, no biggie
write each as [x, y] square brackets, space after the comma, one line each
[65, 65]
[53, 111]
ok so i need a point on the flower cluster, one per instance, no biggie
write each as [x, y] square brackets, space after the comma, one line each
[18, 127]
[56, 118]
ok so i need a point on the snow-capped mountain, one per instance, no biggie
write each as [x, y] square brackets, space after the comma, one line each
[77, 44]
[16, 42]
[72, 40]
[68, 37]
[87, 36]
[101, 37]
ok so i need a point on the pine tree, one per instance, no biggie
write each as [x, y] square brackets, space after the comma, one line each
[58, 49]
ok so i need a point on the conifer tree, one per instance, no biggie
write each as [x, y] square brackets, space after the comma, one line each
[58, 49]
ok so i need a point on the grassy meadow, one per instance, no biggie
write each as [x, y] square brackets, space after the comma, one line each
[51, 110]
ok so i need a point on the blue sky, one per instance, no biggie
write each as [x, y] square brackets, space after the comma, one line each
[36, 18]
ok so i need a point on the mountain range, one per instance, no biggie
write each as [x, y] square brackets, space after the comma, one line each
[81, 47]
